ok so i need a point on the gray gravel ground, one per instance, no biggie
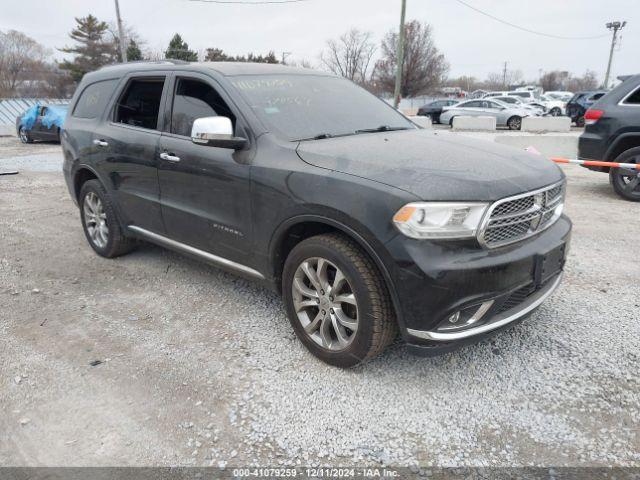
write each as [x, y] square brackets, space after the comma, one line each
[200, 367]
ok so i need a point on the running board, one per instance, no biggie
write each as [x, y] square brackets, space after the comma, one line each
[209, 257]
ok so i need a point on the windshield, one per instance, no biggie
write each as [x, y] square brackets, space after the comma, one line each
[300, 107]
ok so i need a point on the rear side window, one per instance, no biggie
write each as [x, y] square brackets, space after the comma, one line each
[139, 105]
[634, 98]
[195, 99]
[93, 99]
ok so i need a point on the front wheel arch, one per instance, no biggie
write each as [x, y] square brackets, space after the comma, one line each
[321, 224]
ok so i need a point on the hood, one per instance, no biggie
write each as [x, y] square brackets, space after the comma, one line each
[437, 166]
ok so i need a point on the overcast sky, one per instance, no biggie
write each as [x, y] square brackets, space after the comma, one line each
[473, 44]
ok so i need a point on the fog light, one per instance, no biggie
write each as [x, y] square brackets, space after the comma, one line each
[455, 317]
[465, 318]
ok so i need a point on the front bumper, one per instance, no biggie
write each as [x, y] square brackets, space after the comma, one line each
[433, 281]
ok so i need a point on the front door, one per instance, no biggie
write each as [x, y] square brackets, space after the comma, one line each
[205, 191]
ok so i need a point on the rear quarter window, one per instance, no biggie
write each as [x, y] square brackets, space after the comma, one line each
[94, 98]
[634, 98]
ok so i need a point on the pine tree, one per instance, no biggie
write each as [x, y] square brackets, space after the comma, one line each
[92, 50]
[179, 50]
[134, 53]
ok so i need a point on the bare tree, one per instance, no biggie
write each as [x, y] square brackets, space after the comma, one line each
[350, 55]
[131, 36]
[503, 80]
[588, 81]
[20, 57]
[424, 68]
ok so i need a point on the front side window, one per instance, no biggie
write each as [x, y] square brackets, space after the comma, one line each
[195, 99]
[93, 99]
[139, 105]
[297, 107]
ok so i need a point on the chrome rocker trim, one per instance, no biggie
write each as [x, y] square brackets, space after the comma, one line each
[209, 257]
[499, 320]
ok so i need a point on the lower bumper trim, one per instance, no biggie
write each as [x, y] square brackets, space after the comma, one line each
[500, 320]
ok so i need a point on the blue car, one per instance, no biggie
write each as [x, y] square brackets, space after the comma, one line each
[580, 103]
[41, 122]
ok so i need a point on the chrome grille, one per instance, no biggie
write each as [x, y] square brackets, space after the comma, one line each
[516, 218]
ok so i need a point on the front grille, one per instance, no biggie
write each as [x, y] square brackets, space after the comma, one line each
[516, 218]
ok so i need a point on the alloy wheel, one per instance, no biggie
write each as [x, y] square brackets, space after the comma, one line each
[24, 137]
[515, 123]
[325, 303]
[95, 220]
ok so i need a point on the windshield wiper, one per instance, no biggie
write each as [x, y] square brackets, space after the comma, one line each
[322, 136]
[381, 128]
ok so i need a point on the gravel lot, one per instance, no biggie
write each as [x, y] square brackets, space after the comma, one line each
[202, 368]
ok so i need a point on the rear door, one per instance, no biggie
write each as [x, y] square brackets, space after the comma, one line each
[205, 190]
[127, 141]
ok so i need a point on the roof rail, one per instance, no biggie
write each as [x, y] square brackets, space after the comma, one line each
[168, 61]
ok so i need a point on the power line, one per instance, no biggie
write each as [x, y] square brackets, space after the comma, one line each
[246, 2]
[528, 30]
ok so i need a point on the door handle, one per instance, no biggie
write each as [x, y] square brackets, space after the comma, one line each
[100, 143]
[169, 157]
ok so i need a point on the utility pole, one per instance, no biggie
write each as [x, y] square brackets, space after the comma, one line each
[400, 56]
[123, 42]
[284, 56]
[504, 75]
[615, 26]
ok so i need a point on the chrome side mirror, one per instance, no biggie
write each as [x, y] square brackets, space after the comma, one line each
[216, 132]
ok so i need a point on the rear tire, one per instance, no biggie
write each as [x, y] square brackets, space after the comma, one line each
[555, 112]
[336, 301]
[626, 182]
[100, 223]
[514, 123]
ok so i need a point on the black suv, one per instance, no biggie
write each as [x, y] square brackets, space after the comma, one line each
[612, 134]
[367, 224]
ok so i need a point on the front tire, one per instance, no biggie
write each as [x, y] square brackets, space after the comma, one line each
[23, 133]
[99, 221]
[336, 301]
[514, 123]
[625, 181]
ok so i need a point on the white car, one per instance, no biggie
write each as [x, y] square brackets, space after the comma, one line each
[555, 107]
[506, 115]
[559, 95]
[527, 96]
[518, 103]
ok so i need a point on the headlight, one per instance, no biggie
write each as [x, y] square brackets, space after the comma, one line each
[440, 220]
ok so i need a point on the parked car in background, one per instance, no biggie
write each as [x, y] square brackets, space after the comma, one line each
[580, 102]
[370, 227]
[494, 94]
[555, 107]
[518, 103]
[612, 134]
[41, 122]
[434, 109]
[506, 115]
[559, 95]
[527, 96]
